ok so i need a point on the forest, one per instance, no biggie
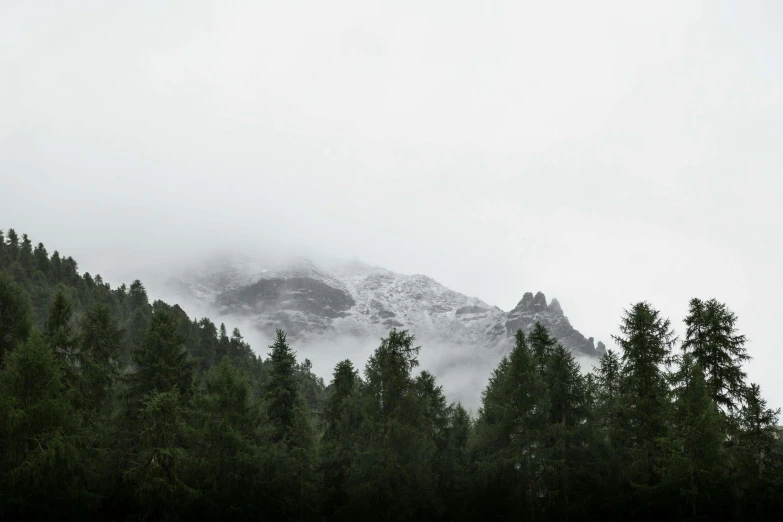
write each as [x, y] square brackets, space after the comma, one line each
[113, 407]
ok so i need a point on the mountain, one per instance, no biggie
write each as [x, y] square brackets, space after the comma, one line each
[337, 299]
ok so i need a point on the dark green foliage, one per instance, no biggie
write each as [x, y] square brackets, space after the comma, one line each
[154, 472]
[509, 429]
[712, 339]
[694, 471]
[541, 344]
[230, 462]
[15, 317]
[391, 476]
[760, 455]
[643, 402]
[341, 419]
[113, 407]
[100, 350]
[161, 361]
[292, 436]
[39, 455]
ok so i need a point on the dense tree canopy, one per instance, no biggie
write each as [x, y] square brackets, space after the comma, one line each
[116, 407]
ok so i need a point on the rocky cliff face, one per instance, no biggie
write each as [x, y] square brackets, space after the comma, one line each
[354, 299]
[533, 308]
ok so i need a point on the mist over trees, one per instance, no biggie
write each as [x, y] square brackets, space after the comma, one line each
[115, 407]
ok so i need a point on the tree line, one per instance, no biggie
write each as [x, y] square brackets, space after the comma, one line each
[112, 407]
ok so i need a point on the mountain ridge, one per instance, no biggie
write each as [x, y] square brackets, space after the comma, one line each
[350, 298]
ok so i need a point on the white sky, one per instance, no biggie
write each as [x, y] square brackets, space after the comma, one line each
[602, 152]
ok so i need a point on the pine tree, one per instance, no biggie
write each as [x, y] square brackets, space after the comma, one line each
[13, 243]
[206, 347]
[542, 344]
[643, 401]
[608, 376]
[231, 465]
[694, 469]
[161, 362]
[342, 419]
[58, 329]
[719, 350]
[26, 254]
[760, 456]
[100, 344]
[565, 436]
[15, 314]
[41, 259]
[39, 456]
[157, 457]
[391, 476]
[508, 433]
[457, 487]
[291, 432]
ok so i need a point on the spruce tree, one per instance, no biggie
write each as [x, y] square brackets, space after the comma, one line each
[342, 419]
[291, 432]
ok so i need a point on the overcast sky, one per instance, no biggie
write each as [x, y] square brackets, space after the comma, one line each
[601, 152]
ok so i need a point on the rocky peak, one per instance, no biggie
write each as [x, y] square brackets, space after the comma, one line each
[533, 308]
[526, 302]
[539, 302]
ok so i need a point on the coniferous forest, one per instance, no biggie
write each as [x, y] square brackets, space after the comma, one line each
[113, 407]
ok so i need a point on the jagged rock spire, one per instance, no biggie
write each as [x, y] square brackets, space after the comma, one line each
[539, 302]
[554, 308]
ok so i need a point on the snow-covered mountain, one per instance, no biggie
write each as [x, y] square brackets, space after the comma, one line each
[339, 299]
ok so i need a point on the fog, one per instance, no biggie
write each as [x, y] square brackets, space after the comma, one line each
[604, 152]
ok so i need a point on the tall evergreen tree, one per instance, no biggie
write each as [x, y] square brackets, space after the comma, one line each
[161, 362]
[39, 455]
[58, 329]
[41, 258]
[392, 477]
[100, 344]
[13, 243]
[342, 419]
[566, 435]
[542, 344]
[154, 471]
[760, 456]
[292, 433]
[643, 403]
[694, 469]
[508, 433]
[712, 338]
[230, 465]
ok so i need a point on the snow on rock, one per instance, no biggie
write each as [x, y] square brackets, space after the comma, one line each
[356, 299]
